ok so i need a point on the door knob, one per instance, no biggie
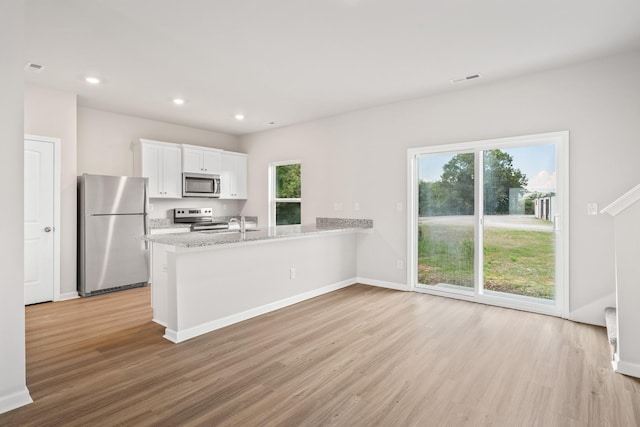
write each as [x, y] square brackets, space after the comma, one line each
[47, 229]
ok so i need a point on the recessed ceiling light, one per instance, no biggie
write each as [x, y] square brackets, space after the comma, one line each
[239, 116]
[178, 101]
[92, 80]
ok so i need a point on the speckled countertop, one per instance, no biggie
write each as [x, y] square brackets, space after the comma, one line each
[166, 223]
[200, 239]
[163, 224]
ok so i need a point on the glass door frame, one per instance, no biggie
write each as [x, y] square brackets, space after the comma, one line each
[561, 220]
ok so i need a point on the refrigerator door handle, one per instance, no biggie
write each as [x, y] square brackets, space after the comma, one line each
[146, 231]
[146, 213]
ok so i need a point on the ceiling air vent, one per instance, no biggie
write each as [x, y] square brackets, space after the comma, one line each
[464, 79]
[33, 67]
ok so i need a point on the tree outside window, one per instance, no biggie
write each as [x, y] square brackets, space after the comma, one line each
[453, 193]
[287, 200]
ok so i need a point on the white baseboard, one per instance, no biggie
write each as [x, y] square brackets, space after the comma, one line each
[183, 335]
[68, 295]
[626, 368]
[14, 400]
[593, 313]
[383, 284]
[171, 335]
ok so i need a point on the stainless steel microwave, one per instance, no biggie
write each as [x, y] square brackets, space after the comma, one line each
[200, 185]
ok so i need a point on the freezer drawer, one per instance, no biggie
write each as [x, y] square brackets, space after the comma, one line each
[113, 255]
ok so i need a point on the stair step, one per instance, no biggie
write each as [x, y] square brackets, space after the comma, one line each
[610, 318]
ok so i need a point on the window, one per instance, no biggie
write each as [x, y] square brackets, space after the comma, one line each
[285, 193]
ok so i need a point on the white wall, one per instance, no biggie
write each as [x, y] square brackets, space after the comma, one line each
[627, 232]
[13, 390]
[52, 113]
[104, 140]
[104, 148]
[362, 157]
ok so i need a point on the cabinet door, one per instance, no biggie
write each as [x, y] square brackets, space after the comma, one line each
[240, 177]
[211, 162]
[192, 160]
[233, 178]
[152, 167]
[226, 176]
[172, 172]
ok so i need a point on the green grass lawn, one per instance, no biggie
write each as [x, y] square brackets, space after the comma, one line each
[515, 261]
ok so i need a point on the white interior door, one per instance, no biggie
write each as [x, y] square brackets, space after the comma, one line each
[38, 221]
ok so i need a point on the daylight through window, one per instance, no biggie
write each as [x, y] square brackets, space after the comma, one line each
[286, 200]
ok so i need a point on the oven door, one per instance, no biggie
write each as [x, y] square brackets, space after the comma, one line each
[200, 185]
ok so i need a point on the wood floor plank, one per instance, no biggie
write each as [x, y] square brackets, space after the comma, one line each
[360, 356]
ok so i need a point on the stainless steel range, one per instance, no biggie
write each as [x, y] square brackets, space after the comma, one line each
[201, 219]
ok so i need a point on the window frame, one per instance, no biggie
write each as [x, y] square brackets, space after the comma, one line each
[273, 166]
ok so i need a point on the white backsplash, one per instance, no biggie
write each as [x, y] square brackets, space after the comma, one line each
[163, 208]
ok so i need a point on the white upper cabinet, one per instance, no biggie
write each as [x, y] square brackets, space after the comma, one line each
[200, 159]
[161, 162]
[191, 160]
[233, 176]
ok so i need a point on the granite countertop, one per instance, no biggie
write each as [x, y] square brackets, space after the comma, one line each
[201, 239]
[166, 223]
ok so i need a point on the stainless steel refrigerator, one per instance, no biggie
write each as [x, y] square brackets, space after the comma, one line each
[112, 218]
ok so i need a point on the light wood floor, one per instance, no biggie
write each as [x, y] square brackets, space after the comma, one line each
[361, 356]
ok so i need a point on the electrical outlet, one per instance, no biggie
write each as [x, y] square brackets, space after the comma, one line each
[356, 206]
[150, 207]
[400, 264]
[292, 273]
[592, 208]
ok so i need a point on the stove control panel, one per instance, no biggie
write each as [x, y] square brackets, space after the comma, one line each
[192, 214]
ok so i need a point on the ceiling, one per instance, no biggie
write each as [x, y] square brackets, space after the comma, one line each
[280, 62]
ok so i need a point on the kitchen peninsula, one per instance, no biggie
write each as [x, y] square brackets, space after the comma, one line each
[205, 281]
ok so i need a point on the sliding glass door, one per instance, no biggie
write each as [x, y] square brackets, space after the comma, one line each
[486, 223]
[446, 222]
[519, 242]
